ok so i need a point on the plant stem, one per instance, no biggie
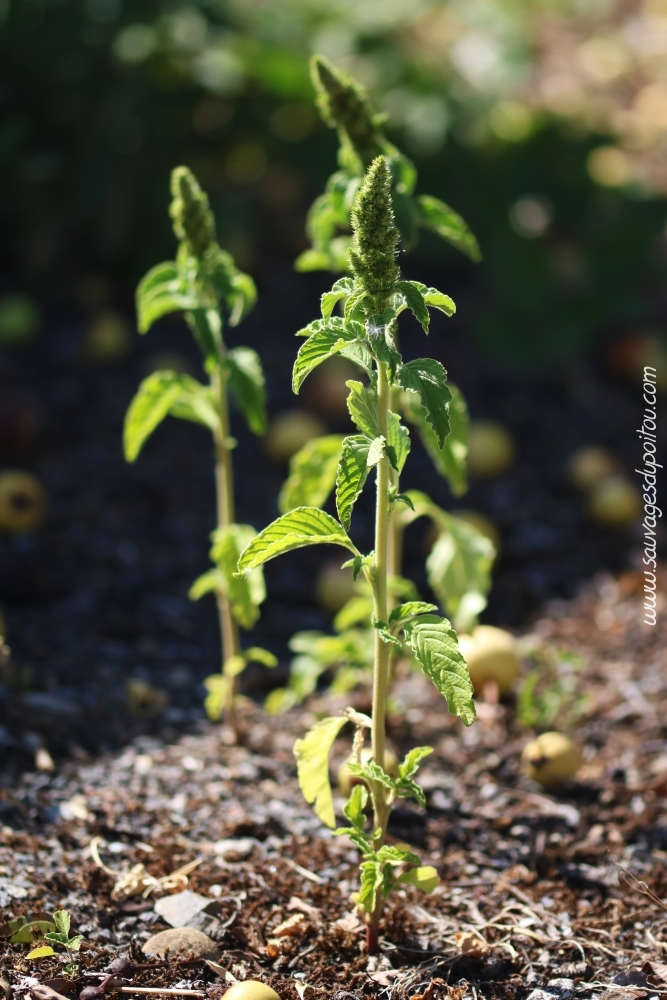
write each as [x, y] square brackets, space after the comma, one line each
[224, 480]
[382, 650]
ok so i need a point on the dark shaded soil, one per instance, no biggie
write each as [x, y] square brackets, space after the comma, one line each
[535, 885]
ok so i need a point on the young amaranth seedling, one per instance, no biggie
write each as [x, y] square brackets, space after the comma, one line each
[459, 564]
[204, 283]
[54, 932]
[366, 335]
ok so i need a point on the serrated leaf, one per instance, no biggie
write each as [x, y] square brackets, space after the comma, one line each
[312, 474]
[245, 594]
[387, 637]
[406, 788]
[425, 878]
[408, 610]
[410, 763]
[398, 441]
[246, 381]
[161, 394]
[340, 290]
[44, 951]
[161, 291]
[436, 649]
[301, 526]
[63, 921]
[327, 338]
[428, 379]
[385, 350]
[450, 460]
[436, 215]
[438, 300]
[393, 855]
[353, 302]
[312, 762]
[351, 475]
[362, 404]
[371, 880]
[414, 298]
[359, 355]
[459, 569]
[371, 771]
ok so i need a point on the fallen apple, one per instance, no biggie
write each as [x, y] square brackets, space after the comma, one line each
[491, 654]
[550, 759]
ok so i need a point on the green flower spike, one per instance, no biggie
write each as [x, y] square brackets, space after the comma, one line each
[373, 255]
[192, 217]
[344, 106]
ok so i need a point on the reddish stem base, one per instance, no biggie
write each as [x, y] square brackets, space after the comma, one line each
[372, 940]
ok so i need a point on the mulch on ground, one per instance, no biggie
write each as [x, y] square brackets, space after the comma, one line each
[536, 886]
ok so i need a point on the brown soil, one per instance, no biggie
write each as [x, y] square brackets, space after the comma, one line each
[535, 885]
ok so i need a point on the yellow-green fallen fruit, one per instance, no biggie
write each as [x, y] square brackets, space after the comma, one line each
[347, 781]
[614, 502]
[19, 320]
[482, 523]
[108, 338]
[491, 448]
[550, 759]
[22, 502]
[289, 432]
[491, 654]
[334, 587]
[250, 989]
[587, 466]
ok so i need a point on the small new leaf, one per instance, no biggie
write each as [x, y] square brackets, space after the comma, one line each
[410, 763]
[425, 878]
[301, 526]
[340, 290]
[371, 880]
[414, 297]
[375, 451]
[404, 612]
[312, 761]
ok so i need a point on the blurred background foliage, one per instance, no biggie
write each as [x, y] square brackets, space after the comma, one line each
[544, 122]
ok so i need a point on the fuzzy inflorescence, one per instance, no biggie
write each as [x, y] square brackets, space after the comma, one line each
[192, 217]
[344, 105]
[373, 256]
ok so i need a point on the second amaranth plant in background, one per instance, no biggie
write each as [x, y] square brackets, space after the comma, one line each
[374, 299]
[203, 282]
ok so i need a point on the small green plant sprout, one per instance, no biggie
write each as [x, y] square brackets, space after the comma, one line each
[344, 105]
[374, 299]
[56, 933]
[205, 285]
[459, 565]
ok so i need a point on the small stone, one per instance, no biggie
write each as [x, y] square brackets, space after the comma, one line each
[181, 942]
[180, 909]
[556, 989]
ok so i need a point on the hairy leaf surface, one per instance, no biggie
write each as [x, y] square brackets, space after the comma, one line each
[301, 526]
[428, 378]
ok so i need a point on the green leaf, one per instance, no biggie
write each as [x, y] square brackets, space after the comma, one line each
[359, 355]
[340, 290]
[210, 581]
[371, 771]
[425, 878]
[428, 379]
[371, 880]
[63, 921]
[245, 594]
[21, 930]
[312, 761]
[233, 666]
[385, 350]
[313, 259]
[353, 302]
[409, 610]
[357, 610]
[162, 394]
[214, 703]
[392, 855]
[411, 291]
[352, 473]
[410, 763]
[161, 291]
[403, 498]
[255, 654]
[301, 526]
[387, 636]
[45, 951]
[459, 569]
[246, 381]
[376, 451]
[362, 404]
[206, 326]
[436, 215]
[327, 338]
[398, 441]
[436, 649]
[74, 943]
[438, 300]
[355, 805]
[406, 788]
[312, 474]
[450, 460]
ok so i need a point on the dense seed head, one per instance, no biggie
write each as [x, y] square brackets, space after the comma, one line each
[344, 105]
[373, 256]
[192, 217]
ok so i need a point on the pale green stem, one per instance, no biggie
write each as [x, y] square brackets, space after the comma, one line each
[224, 479]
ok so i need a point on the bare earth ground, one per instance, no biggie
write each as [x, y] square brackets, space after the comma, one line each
[535, 886]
